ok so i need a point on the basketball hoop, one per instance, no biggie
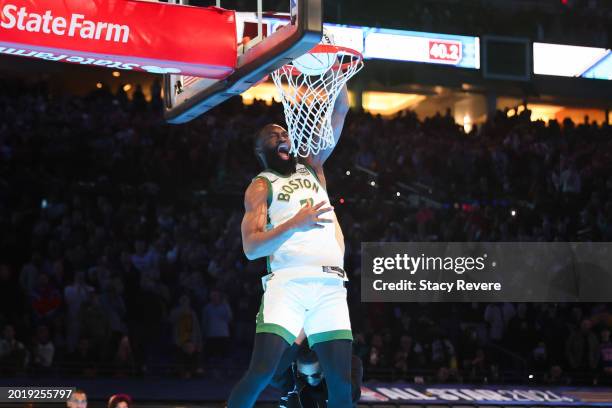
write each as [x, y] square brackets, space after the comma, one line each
[308, 100]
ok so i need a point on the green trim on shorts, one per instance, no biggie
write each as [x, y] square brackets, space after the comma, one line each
[330, 335]
[276, 329]
[260, 317]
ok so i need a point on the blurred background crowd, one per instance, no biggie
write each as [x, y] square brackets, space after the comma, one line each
[120, 251]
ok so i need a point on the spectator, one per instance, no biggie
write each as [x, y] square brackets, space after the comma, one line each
[13, 354]
[494, 318]
[443, 352]
[521, 330]
[605, 355]
[83, 361]
[120, 401]
[556, 376]
[582, 348]
[217, 317]
[124, 359]
[142, 259]
[46, 300]
[187, 336]
[95, 325]
[306, 383]
[540, 358]
[12, 299]
[43, 350]
[409, 356]
[74, 295]
[111, 301]
[377, 355]
[78, 399]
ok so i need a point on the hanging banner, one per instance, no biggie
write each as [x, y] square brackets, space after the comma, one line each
[122, 34]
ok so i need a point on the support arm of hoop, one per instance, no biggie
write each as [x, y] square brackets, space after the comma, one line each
[341, 108]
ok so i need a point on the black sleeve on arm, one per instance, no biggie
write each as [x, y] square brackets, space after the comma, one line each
[356, 378]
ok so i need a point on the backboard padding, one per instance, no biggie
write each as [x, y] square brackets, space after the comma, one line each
[274, 51]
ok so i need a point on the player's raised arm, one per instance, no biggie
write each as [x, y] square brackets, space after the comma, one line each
[341, 108]
[257, 240]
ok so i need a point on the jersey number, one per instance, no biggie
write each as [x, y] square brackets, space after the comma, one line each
[307, 202]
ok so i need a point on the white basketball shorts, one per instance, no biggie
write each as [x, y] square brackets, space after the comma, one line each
[316, 304]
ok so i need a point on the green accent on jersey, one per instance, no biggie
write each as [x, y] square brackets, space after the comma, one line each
[308, 201]
[276, 173]
[314, 174]
[330, 335]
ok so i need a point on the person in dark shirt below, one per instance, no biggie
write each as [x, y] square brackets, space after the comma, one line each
[303, 383]
[605, 350]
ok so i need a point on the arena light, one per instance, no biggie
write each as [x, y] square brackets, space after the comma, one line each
[116, 74]
[389, 103]
[544, 112]
[263, 92]
[467, 124]
[99, 85]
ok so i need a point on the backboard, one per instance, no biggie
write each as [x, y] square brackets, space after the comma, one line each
[187, 97]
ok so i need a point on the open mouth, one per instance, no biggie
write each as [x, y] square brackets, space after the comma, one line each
[283, 151]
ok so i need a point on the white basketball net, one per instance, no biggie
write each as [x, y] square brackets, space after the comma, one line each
[308, 101]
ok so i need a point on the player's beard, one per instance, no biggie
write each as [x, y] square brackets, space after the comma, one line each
[284, 167]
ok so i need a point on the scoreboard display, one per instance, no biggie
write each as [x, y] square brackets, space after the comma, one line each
[413, 46]
[401, 45]
[572, 61]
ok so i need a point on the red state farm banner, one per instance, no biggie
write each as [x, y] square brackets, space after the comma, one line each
[122, 34]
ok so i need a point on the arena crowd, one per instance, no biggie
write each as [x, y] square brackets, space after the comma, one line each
[120, 251]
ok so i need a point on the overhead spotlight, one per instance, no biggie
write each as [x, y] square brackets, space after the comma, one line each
[127, 87]
[348, 172]
[116, 74]
[342, 201]
[99, 85]
[398, 194]
[531, 376]
[513, 213]
[373, 183]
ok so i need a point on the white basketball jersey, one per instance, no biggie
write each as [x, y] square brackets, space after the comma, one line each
[314, 248]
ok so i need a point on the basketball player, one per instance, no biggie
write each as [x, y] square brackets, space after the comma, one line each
[289, 221]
